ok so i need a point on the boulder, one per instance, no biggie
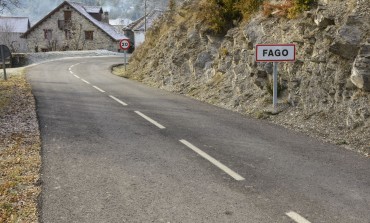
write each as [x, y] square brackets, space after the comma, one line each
[361, 69]
[323, 21]
[344, 50]
[202, 59]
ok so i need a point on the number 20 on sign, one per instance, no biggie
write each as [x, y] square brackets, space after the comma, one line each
[124, 44]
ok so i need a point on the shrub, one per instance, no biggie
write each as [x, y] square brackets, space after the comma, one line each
[248, 7]
[172, 5]
[218, 14]
[221, 15]
[299, 6]
[289, 9]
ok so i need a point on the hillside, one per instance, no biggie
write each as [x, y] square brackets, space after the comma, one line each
[325, 93]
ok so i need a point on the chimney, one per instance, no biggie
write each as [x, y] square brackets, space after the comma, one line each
[106, 17]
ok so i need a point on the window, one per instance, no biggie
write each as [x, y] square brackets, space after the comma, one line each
[67, 16]
[48, 34]
[67, 34]
[89, 35]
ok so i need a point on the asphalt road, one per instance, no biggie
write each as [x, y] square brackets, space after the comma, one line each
[115, 150]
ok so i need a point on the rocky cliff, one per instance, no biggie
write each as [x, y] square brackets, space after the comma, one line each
[325, 93]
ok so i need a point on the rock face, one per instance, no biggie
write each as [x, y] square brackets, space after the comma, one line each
[361, 69]
[323, 93]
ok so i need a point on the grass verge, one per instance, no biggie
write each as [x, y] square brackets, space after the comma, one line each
[19, 151]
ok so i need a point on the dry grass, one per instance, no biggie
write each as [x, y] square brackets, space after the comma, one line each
[19, 152]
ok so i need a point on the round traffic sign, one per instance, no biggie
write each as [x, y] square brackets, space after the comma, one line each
[124, 44]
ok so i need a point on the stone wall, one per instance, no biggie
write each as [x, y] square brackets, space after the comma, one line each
[77, 42]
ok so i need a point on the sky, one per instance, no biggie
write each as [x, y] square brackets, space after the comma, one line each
[132, 9]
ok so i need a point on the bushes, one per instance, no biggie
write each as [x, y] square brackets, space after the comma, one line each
[172, 5]
[289, 9]
[248, 7]
[221, 15]
[299, 6]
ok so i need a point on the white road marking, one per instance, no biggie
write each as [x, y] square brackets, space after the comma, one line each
[150, 120]
[85, 81]
[99, 89]
[73, 66]
[296, 217]
[117, 100]
[76, 76]
[213, 161]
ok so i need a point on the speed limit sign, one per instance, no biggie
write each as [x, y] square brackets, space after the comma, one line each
[124, 44]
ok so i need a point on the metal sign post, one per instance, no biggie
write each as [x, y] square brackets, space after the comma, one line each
[275, 90]
[5, 53]
[125, 60]
[124, 44]
[275, 53]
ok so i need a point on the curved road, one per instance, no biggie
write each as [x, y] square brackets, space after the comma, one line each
[115, 150]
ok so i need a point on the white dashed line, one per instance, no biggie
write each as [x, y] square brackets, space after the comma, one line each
[85, 81]
[296, 217]
[117, 100]
[73, 66]
[150, 120]
[76, 76]
[213, 161]
[102, 91]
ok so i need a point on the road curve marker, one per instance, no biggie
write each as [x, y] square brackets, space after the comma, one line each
[150, 120]
[117, 100]
[85, 81]
[213, 161]
[99, 89]
[296, 217]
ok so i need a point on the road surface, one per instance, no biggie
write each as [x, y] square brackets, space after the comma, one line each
[114, 150]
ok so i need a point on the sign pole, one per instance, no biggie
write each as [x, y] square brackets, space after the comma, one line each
[275, 90]
[2, 56]
[125, 60]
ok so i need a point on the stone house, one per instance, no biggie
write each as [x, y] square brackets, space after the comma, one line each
[136, 30]
[11, 29]
[73, 26]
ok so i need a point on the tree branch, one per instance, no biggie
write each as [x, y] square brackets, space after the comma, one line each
[8, 5]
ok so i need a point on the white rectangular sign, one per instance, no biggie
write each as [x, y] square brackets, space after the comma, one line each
[275, 52]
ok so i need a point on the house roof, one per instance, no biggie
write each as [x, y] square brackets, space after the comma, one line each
[139, 25]
[93, 9]
[14, 24]
[84, 11]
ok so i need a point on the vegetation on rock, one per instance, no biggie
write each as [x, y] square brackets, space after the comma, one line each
[221, 15]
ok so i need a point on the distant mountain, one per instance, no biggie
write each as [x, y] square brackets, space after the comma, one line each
[131, 9]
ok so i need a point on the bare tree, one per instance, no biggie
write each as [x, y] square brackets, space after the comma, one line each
[74, 34]
[8, 38]
[8, 4]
